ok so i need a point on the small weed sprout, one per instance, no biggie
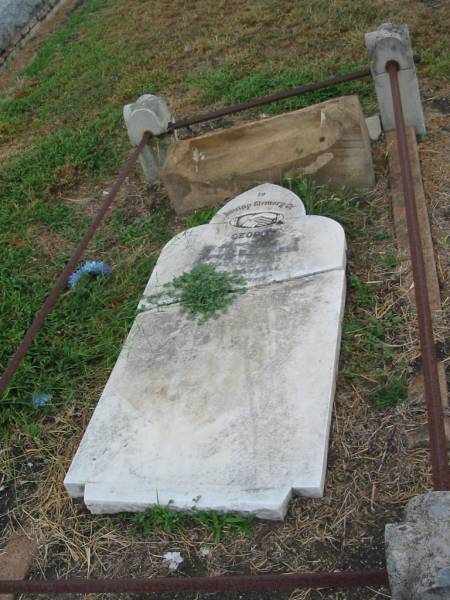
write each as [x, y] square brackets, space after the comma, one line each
[201, 217]
[204, 292]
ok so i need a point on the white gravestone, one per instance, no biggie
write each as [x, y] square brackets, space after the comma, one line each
[232, 415]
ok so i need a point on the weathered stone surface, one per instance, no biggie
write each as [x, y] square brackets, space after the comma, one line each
[263, 198]
[13, 16]
[234, 413]
[374, 127]
[418, 551]
[262, 234]
[328, 141]
[149, 113]
[392, 43]
[20, 20]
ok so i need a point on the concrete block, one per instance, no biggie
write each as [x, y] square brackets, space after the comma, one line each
[418, 551]
[392, 43]
[233, 415]
[149, 113]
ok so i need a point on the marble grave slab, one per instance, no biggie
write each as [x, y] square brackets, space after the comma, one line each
[232, 415]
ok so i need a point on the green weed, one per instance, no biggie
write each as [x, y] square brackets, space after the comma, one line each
[363, 296]
[168, 520]
[216, 523]
[436, 59]
[354, 213]
[390, 393]
[390, 261]
[155, 227]
[204, 292]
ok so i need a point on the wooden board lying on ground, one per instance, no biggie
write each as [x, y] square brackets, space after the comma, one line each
[401, 232]
[418, 437]
[328, 141]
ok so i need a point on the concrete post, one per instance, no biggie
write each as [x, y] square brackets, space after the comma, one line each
[418, 551]
[149, 113]
[392, 43]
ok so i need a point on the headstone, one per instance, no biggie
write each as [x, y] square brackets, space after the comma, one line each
[232, 415]
[328, 141]
[149, 113]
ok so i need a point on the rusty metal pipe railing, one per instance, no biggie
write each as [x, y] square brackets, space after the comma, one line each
[70, 267]
[62, 280]
[296, 91]
[439, 455]
[235, 583]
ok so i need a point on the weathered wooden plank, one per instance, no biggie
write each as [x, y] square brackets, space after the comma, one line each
[328, 141]
[418, 437]
[398, 207]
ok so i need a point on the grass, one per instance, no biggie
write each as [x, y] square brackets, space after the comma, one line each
[80, 67]
[65, 109]
[165, 519]
[156, 225]
[369, 356]
[228, 85]
[201, 217]
[80, 341]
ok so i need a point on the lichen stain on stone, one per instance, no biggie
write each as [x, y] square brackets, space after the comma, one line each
[261, 250]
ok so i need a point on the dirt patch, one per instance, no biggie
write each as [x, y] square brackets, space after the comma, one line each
[442, 105]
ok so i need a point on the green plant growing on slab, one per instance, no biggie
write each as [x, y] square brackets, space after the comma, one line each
[204, 292]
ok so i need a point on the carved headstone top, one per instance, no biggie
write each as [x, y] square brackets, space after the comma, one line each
[263, 234]
[263, 205]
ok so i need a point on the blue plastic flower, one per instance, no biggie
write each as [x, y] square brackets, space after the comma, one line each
[91, 267]
[40, 399]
